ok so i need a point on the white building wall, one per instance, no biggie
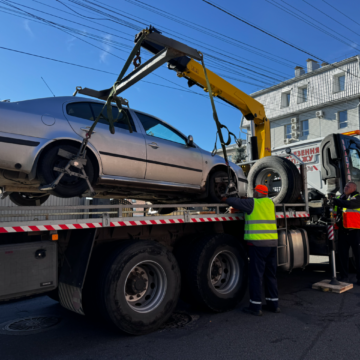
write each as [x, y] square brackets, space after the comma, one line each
[321, 89]
[318, 127]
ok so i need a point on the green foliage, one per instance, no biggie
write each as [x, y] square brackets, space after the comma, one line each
[240, 155]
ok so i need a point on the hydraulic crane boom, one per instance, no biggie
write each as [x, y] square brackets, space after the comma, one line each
[251, 109]
[182, 59]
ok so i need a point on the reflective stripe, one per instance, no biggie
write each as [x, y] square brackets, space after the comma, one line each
[352, 210]
[260, 222]
[261, 231]
[269, 299]
[256, 302]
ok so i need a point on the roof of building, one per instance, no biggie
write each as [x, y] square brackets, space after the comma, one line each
[307, 75]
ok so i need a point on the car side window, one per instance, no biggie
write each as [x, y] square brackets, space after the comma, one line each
[121, 121]
[90, 111]
[80, 109]
[156, 128]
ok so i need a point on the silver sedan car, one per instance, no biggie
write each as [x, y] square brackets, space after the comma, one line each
[155, 162]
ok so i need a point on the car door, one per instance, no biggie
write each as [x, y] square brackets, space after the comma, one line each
[122, 153]
[169, 158]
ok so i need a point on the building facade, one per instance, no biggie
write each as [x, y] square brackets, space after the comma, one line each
[315, 103]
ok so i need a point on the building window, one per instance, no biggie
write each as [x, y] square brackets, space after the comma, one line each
[285, 99]
[343, 119]
[305, 128]
[302, 95]
[288, 131]
[339, 82]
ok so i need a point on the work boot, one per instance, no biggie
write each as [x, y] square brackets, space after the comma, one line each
[274, 310]
[247, 310]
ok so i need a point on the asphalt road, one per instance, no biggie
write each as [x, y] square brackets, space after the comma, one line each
[312, 325]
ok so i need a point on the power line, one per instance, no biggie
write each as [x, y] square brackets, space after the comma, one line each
[330, 17]
[315, 26]
[341, 12]
[269, 34]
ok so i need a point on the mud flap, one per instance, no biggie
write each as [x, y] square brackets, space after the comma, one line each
[74, 268]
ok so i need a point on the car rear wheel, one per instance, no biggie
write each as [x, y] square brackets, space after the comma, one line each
[28, 199]
[218, 182]
[69, 186]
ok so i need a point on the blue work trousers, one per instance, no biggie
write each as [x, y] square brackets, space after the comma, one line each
[263, 264]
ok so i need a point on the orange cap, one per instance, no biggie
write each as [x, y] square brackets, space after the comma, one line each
[262, 189]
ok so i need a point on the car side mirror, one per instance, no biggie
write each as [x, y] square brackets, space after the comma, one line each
[190, 141]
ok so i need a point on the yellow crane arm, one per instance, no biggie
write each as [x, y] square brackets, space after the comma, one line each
[250, 108]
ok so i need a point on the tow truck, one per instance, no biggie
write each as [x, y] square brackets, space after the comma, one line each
[131, 270]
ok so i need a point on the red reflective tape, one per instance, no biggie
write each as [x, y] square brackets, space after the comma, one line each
[163, 221]
[112, 224]
[217, 219]
[224, 218]
[172, 221]
[121, 223]
[153, 222]
[181, 220]
[18, 228]
[90, 225]
[2, 230]
[143, 222]
[230, 218]
[193, 220]
[77, 226]
[209, 219]
[33, 228]
[62, 226]
[132, 223]
[48, 227]
[202, 220]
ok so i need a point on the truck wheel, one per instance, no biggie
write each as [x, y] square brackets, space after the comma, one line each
[69, 186]
[28, 199]
[140, 285]
[215, 273]
[281, 177]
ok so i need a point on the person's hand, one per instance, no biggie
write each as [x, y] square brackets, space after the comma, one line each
[223, 199]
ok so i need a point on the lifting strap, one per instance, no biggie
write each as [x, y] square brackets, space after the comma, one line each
[112, 96]
[219, 127]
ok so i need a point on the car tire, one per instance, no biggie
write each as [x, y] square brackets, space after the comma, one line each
[214, 272]
[216, 188]
[142, 268]
[266, 169]
[69, 186]
[28, 199]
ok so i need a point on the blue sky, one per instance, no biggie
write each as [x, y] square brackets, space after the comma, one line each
[103, 40]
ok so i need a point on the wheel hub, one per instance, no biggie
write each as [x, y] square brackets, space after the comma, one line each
[225, 272]
[136, 284]
[145, 286]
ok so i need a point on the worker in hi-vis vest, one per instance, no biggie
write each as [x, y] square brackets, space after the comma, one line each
[347, 209]
[262, 239]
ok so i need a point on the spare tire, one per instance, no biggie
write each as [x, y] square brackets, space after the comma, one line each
[281, 177]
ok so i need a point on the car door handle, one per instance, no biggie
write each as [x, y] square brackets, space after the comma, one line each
[87, 128]
[153, 145]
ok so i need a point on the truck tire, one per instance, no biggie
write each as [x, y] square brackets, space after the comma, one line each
[266, 171]
[214, 272]
[28, 199]
[69, 186]
[139, 287]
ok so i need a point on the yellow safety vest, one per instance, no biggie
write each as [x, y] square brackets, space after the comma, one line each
[260, 225]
